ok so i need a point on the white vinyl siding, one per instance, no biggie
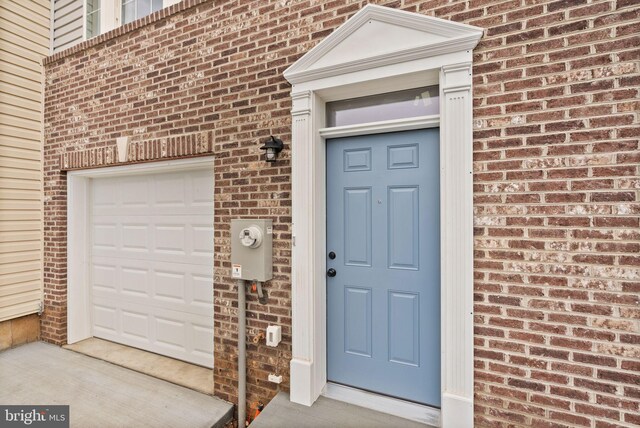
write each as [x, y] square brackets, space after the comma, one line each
[68, 17]
[24, 41]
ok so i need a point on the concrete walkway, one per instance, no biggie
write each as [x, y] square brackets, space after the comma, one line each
[101, 394]
[325, 413]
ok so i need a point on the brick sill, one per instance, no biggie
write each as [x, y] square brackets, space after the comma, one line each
[122, 30]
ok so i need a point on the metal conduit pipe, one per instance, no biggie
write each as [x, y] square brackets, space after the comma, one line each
[242, 354]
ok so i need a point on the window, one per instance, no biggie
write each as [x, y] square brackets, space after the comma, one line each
[416, 102]
[136, 9]
[93, 18]
[105, 15]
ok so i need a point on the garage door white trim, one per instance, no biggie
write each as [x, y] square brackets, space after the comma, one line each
[78, 244]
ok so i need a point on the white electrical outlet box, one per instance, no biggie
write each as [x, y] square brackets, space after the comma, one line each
[251, 249]
[275, 379]
[274, 335]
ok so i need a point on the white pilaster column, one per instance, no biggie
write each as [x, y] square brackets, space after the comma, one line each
[302, 275]
[456, 155]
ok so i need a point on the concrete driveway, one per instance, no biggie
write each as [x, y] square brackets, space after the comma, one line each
[102, 394]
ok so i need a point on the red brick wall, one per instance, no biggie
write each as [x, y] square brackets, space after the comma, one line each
[556, 184]
[556, 214]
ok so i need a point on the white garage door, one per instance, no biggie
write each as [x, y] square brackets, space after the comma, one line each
[152, 263]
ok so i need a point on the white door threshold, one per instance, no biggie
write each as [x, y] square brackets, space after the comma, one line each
[381, 403]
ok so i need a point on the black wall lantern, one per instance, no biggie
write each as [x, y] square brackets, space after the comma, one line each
[272, 147]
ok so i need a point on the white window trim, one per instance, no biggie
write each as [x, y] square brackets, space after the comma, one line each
[447, 61]
[111, 15]
[394, 125]
[79, 234]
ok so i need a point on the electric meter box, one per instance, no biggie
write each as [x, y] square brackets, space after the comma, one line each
[251, 249]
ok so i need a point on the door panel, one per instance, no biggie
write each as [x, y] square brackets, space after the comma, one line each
[383, 223]
[357, 315]
[403, 229]
[357, 218]
[404, 330]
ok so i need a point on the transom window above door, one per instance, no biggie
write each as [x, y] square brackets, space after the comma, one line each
[409, 103]
[105, 15]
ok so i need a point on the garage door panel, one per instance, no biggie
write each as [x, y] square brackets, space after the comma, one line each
[201, 335]
[104, 236]
[134, 281]
[107, 300]
[104, 277]
[171, 332]
[202, 293]
[162, 336]
[104, 318]
[151, 211]
[170, 286]
[202, 188]
[159, 256]
[152, 263]
[134, 237]
[170, 238]
[135, 325]
[135, 192]
[157, 194]
[173, 286]
[186, 239]
[112, 308]
[170, 192]
[104, 194]
[202, 239]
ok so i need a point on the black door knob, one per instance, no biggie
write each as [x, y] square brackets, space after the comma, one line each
[331, 273]
[332, 255]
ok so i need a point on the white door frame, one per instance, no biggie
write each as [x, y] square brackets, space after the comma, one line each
[79, 233]
[445, 58]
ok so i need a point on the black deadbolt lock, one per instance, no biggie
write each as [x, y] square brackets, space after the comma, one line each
[332, 255]
[331, 273]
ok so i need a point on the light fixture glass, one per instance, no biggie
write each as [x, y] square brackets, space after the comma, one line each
[272, 147]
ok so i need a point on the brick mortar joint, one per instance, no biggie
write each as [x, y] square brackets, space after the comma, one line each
[122, 30]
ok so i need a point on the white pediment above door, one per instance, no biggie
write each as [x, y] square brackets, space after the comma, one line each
[377, 36]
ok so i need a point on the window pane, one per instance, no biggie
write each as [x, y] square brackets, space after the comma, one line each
[393, 105]
[92, 5]
[93, 18]
[136, 9]
[144, 8]
[93, 24]
[128, 11]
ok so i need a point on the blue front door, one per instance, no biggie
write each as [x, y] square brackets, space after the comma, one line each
[383, 244]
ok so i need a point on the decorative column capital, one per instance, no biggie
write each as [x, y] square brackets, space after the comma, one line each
[301, 103]
[456, 77]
